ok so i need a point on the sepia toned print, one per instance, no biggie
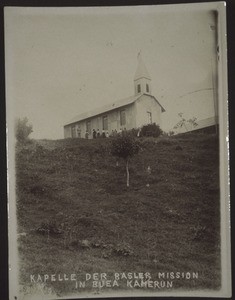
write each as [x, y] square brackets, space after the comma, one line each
[117, 151]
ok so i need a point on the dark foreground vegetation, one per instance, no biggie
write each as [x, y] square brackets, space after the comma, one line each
[76, 214]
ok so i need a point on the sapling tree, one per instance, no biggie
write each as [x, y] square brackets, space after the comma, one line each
[125, 147]
[187, 124]
[192, 122]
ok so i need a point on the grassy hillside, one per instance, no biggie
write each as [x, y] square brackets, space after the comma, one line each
[79, 216]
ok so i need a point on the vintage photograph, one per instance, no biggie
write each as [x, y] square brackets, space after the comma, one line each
[117, 135]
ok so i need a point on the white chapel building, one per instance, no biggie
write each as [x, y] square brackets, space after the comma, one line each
[133, 112]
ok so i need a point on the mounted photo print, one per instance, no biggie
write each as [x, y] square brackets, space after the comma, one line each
[117, 136]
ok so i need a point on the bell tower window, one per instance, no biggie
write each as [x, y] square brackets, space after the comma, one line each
[138, 88]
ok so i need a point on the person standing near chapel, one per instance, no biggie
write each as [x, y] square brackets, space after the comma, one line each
[103, 134]
[98, 133]
[94, 134]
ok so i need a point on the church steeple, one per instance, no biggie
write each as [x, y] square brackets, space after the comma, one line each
[142, 78]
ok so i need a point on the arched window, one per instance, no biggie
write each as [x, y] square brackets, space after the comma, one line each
[149, 114]
[123, 117]
[73, 131]
[105, 122]
[88, 127]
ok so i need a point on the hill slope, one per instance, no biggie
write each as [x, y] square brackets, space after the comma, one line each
[80, 217]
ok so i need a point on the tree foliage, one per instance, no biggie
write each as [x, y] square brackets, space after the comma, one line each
[23, 130]
[125, 147]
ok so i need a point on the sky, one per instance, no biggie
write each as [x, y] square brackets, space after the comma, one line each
[61, 62]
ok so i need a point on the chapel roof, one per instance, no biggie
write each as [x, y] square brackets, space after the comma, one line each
[109, 107]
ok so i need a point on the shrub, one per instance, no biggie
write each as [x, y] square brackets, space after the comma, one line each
[171, 132]
[134, 132]
[23, 130]
[151, 130]
[50, 227]
[123, 249]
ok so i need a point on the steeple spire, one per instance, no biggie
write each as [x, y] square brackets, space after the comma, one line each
[141, 69]
[142, 78]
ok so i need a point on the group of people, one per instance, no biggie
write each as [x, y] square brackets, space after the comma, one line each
[98, 134]
[105, 134]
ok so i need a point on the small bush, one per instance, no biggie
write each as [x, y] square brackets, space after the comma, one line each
[123, 249]
[178, 147]
[151, 130]
[134, 132]
[166, 141]
[22, 130]
[50, 228]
